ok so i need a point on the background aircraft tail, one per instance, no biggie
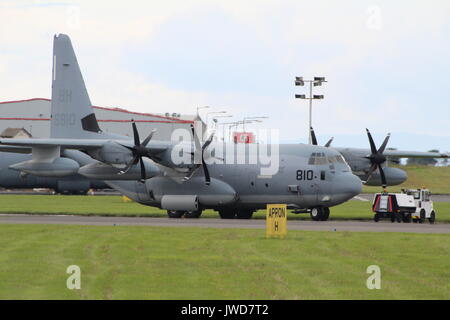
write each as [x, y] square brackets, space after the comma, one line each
[72, 113]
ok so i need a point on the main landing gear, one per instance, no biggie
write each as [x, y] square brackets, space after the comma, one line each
[320, 214]
[236, 213]
[184, 214]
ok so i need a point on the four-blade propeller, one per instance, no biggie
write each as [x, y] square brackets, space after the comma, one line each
[377, 158]
[199, 148]
[139, 150]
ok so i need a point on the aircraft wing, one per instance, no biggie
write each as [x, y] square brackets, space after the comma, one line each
[414, 154]
[14, 149]
[22, 145]
[63, 143]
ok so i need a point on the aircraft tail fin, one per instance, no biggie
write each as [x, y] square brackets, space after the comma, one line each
[71, 109]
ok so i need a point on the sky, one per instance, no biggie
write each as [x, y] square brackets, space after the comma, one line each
[386, 62]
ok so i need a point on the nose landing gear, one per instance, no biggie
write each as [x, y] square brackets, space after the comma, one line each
[320, 214]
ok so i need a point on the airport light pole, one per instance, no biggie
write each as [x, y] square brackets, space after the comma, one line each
[223, 130]
[212, 112]
[299, 81]
[198, 108]
[237, 123]
[233, 124]
[251, 118]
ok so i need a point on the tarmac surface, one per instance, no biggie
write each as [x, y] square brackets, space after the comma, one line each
[41, 192]
[356, 226]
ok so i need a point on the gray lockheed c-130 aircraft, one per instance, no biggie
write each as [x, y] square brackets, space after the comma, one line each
[307, 177]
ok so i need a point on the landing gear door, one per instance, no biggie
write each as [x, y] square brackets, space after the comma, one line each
[316, 189]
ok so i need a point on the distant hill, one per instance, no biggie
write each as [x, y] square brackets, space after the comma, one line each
[437, 179]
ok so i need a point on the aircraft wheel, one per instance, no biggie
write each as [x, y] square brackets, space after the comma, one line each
[175, 213]
[414, 220]
[244, 214]
[432, 217]
[422, 216]
[398, 217]
[316, 214]
[325, 214]
[193, 214]
[227, 214]
[376, 217]
[392, 217]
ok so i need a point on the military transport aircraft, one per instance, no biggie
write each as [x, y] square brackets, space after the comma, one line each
[13, 179]
[369, 164]
[306, 177]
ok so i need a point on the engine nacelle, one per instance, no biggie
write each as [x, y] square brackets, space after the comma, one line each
[394, 176]
[59, 167]
[112, 153]
[101, 171]
[180, 202]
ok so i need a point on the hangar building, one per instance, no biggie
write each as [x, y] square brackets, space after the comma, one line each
[33, 115]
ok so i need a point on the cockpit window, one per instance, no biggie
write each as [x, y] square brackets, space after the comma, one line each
[332, 159]
[340, 159]
[317, 158]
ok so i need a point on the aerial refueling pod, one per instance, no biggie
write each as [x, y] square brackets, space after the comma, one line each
[59, 167]
[180, 202]
[218, 193]
[101, 171]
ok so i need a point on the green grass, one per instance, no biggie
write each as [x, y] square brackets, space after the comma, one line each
[437, 179]
[113, 205]
[206, 263]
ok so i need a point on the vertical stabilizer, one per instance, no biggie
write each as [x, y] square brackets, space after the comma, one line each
[72, 113]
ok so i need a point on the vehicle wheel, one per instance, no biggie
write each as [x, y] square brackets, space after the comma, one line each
[175, 213]
[432, 217]
[414, 220]
[316, 214]
[326, 214]
[407, 218]
[376, 217]
[422, 216]
[398, 217]
[392, 217]
[244, 213]
[227, 214]
[193, 214]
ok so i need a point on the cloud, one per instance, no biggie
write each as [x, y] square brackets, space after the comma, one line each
[386, 61]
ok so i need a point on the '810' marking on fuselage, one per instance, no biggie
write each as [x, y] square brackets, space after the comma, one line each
[304, 175]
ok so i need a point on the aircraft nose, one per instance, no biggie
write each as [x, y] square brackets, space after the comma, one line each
[354, 185]
[349, 186]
